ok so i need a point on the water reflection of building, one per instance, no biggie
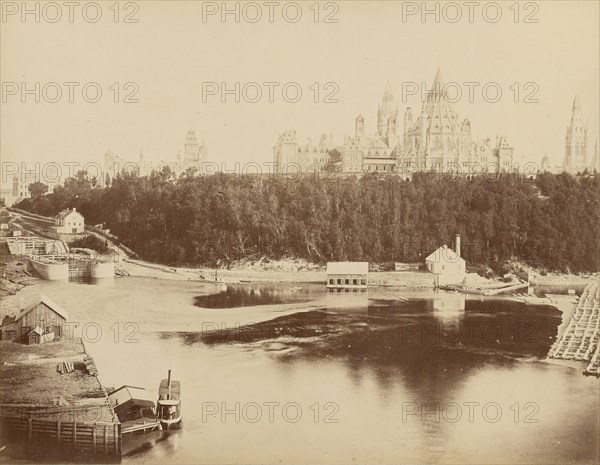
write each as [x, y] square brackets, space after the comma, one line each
[356, 300]
[448, 306]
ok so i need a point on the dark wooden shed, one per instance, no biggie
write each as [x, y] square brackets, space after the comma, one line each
[9, 328]
[43, 314]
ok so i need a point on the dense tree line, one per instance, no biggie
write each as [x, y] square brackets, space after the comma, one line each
[550, 222]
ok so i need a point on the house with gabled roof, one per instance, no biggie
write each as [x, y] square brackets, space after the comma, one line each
[69, 222]
[447, 265]
[41, 316]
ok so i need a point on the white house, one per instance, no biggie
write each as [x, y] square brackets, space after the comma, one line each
[69, 222]
[447, 266]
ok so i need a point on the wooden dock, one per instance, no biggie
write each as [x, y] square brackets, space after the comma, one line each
[97, 438]
[482, 291]
[144, 425]
[498, 290]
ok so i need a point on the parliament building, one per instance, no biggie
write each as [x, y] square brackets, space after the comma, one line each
[436, 139]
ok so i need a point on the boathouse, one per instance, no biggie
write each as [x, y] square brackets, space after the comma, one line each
[347, 275]
[125, 393]
[133, 408]
[41, 316]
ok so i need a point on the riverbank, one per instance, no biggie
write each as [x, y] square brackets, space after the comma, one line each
[301, 271]
[15, 274]
[281, 273]
[31, 381]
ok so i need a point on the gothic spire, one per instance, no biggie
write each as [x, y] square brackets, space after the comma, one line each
[438, 80]
[388, 94]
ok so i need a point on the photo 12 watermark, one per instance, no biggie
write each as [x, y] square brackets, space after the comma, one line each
[470, 12]
[469, 412]
[471, 91]
[269, 412]
[269, 92]
[270, 12]
[70, 12]
[69, 92]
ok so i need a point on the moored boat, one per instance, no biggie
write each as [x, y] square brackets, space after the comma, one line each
[168, 406]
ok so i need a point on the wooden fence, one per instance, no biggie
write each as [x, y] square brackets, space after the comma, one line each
[98, 438]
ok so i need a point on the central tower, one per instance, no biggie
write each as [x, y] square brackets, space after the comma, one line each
[387, 111]
[576, 141]
[191, 147]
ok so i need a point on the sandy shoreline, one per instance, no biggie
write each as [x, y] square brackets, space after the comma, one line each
[403, 279]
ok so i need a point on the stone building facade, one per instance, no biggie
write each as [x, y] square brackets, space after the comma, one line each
[435, 140]
[194, 155]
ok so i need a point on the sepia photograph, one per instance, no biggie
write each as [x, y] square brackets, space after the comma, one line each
[300, 232]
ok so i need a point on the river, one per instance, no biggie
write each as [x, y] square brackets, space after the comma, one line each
[384, 377]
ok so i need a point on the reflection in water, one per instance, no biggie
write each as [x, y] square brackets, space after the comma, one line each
[103, 282]
[252, 295]
[375, 366]
[392, 372]
[358, 300]
[449, 308]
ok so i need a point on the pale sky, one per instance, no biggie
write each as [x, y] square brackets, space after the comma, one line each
[170, 52]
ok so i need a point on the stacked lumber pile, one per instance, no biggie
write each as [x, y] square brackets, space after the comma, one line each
[65, 367]
[90, 365]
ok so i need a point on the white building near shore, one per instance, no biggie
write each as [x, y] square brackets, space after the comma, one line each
[447, 265]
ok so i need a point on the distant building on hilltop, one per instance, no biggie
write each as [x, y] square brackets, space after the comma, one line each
[22, 181]
[437, 140]
[595, 164]
[293, 157]
[576, 141]
[194, 155]
[373, 152]
[547, 167]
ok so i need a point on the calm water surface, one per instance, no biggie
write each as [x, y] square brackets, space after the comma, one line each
[358, 378]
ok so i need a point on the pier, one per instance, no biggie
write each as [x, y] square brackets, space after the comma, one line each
[580, 340]
[59, 411]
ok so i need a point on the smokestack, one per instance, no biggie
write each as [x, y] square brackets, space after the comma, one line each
[169, 385]
[457, 246]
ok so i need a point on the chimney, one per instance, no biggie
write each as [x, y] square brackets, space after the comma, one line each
[74, 209]
[457, 246]
[169, 385]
